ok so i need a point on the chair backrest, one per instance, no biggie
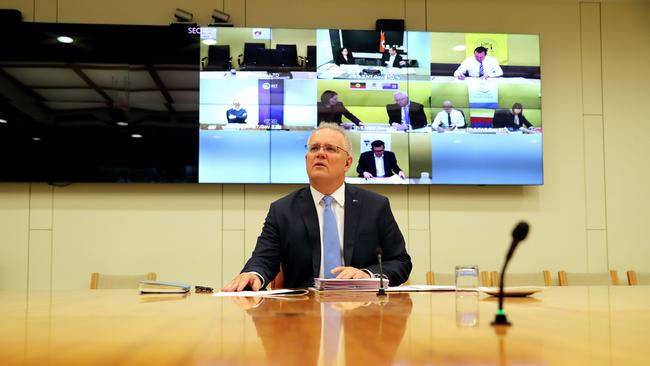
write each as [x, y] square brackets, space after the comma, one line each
[269, 57]
[499, 120]
[440, 279]
[588, 279]
[106, 281]
[278, 281]
[218, 57]
[311, 57]
[449, 279]
[250, 52]
[542, 278]
[635, 279]
[288, 54]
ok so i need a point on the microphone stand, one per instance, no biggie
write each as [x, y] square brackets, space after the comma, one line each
[501, 318]
[518, 235]
[381, 291]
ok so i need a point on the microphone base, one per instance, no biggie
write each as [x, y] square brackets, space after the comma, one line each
[501, 319]
[381, 292]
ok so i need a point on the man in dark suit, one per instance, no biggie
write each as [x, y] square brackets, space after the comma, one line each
[378, 162]
[328, 229]
[405, 113]
[392, 59]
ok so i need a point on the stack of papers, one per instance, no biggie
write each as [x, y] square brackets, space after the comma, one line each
[336, 284]
[163, 287]
[263, 293]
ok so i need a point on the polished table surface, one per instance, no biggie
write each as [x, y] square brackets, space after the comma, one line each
[597, 325]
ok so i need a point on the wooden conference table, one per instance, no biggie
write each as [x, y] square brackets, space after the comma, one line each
[559, 326]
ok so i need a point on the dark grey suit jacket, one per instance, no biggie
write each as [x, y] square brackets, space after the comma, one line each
[291, 236]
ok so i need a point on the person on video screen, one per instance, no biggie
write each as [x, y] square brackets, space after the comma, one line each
[513, 119]
[405, 114]
[328, 228]
[236, 114]
[378, 162]
[330, 109]
[448, 118]
[392, 59]
[479, 66]
[344, 57]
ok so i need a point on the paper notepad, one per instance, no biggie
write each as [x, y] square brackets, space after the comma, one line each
[338, 284]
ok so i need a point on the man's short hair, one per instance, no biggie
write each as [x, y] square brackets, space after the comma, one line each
[335, 127]
[392, 48]
[377, 143]
[400, 93]
[447, 102]
[481, 49]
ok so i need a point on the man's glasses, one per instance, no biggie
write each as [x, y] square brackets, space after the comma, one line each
[330, 149]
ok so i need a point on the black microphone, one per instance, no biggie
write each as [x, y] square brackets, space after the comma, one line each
[381, 291]
[519, 233]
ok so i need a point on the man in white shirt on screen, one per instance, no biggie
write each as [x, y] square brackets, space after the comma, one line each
[479, 66]
[448, 118]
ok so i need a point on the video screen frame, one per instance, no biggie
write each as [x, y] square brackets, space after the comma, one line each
[466, 124]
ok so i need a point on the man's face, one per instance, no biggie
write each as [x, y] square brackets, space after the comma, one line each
[326, 165]
[236, 104]
[479, 56]
[447, 107]
[392, 51]
[401, 100]
[379, 151]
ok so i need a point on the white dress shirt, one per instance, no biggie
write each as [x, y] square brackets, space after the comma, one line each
[390, 61]
[338, 206]
[405, 111]
[442, 119]
[491, 67]
[379, 165]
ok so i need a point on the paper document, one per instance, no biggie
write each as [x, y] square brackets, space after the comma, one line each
[421, 288]
[269, 293]
[339, 284]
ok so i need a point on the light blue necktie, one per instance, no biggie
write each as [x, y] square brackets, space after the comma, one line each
[480, 69]
[407, 117]
[331, 244]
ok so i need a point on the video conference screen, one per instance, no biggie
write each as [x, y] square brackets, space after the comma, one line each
[419, 107]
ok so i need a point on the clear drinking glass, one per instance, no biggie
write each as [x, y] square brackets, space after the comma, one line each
[467, 278]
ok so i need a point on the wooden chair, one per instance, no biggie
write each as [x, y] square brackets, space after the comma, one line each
[588, 279]
[523, 279]
[634, 279]
[106, 281]
[449, 279]
[278, 281]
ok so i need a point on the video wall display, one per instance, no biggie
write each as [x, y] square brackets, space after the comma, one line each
[436, 108]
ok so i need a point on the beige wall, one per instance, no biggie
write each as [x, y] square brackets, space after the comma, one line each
[590, 215]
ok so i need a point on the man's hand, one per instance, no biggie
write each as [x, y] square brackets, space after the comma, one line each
[401, 175]
[349, 272]
[240, 282]
[367, 175]
[461, 77]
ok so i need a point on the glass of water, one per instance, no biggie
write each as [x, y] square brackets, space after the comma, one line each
[467, 278]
